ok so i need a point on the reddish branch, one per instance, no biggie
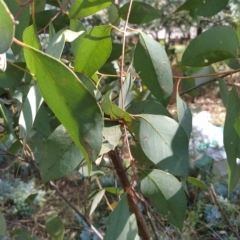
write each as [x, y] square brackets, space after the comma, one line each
[132, 200]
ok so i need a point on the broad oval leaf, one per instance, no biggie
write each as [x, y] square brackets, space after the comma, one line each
[140, 13]
[95, 48]
[60, 155]
[163, 141]
[72, 104]
[232, 139]
[83, 8]
[166, 194]
[214, 45]
[152, 64]
[7, 27]
[205, 8]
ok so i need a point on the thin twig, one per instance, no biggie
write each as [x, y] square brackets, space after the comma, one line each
[22, 6]
[75, 209]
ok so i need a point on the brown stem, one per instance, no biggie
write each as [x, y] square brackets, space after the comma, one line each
[132, 200]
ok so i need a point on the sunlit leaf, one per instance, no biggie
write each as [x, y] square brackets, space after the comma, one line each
[95, 48]
[83, 8]
[98, 197]
[77, 110]
[152, 64]
[222, 43]
[166, 194]
[113, 110]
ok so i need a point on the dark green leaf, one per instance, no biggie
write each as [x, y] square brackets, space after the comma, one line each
[148, 107]
[120, 224]
[43, 18]
[94, 48]
[39, 5]
[166, 194]
[233, 63]
[76, 108]
[205, 8]
[163, 141]
[113, 16]
[83, 8]
[7, 27]
[60, 156]
[113, 110]
[21, 234]
[232, 140]
[184, 116]
[55, 227]
[30, 198]
[140, 13]
[3, 225]
[223, 92]
[222, 43]
[152, 64]
[196, 182]
[116, 52]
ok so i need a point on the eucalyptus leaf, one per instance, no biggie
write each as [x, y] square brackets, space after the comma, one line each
[166, 194]
[7, 27]
[77, 110]
[232, 139]
[152, 64]
[163, 141]
[222, 43]
[60, 156]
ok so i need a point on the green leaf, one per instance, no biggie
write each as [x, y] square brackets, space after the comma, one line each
[97, 199]
[223, 92]
[140, 13]
[113, 190]
[113, 16]
[232, 140]
[111, 138]
[82, 8]
[184, 116]
[23, 21]
[94, 48]
[166, 194]
[233, 63]
[39, 5]
[76, 109]
[152, 64]
[121, 224]
[3, 225]
[55, 227]
[21, 234]
[196, 182]
[7, 27]
[205, 8]
[30, 37]
[113, 110]
[222, 43]
[43, 18]
[60, 156]
[29, 111]
[116, 52]
[163, 141]
[148, 107]
[30, 198]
